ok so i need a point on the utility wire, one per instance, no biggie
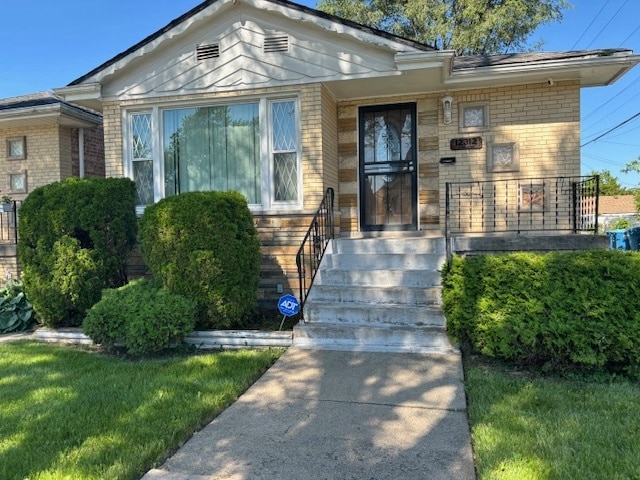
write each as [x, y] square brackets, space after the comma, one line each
[612, 129]
[607, 24]
[589, 26]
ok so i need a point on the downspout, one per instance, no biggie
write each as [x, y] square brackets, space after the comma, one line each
[81, 152]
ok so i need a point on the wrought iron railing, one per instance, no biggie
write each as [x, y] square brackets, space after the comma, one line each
[9, 222]
[568, 204]
[314, 245]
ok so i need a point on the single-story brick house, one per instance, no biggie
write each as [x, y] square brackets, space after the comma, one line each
[281, 102]
[43, 139]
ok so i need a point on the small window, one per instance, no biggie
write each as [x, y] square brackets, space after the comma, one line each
[503, 157]
[18, 182]
[16, 148]
[474, 117]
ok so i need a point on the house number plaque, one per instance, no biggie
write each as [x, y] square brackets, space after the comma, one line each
[472, 143]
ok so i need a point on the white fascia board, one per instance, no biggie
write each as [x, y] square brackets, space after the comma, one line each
[79, 93]
[422, 60]
[549, 67]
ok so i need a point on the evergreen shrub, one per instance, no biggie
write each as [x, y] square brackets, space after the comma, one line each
[561, 310]
[142, 316]
[204, 245]
[75, 237]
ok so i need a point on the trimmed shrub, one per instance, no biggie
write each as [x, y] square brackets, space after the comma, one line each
[203, 245]
[142, 316]
[75, 237]
[563, 310]
[16, 312]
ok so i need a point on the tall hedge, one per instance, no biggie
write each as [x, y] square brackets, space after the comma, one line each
[204, 246]
[75, 237]
[570, 310]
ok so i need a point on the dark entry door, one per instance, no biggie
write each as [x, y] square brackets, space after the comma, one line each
[388, 174]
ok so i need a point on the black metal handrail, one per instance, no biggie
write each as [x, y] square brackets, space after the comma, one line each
[314, 245]
[567, 204]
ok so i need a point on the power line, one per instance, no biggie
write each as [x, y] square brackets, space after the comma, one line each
[607, 24]
[612, 129]
[589, 26]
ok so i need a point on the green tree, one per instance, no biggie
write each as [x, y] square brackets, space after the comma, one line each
[631, 167]
[470, 27]
[609, 185]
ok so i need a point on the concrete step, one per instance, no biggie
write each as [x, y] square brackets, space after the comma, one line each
[409, 245]
[375, 295]
[373, 314]
[385, 261]
[378, 278]
[372, 338]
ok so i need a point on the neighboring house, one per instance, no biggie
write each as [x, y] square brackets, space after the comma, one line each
[616, 207]
[281, 102]
[43, 139]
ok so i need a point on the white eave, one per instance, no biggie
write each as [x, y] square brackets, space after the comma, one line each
[51, 114]
[87, 94]
[591, 71]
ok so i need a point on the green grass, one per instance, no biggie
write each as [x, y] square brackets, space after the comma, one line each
[66, 413]
[525, 426]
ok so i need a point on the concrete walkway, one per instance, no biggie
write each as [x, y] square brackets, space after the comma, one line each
[320, 414]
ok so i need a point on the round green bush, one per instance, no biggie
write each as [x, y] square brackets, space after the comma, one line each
[563, 310]
[204, 245]
[142, 316]
[75, 237]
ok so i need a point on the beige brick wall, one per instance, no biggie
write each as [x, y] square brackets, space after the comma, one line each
[542, 120]
[42, 161]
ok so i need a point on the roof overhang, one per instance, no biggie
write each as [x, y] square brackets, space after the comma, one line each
[87, 94]
[59, 114]
[589, 70]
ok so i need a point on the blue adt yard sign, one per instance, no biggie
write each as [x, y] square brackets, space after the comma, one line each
[288, 305]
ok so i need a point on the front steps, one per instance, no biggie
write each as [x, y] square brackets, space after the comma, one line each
[377, 294]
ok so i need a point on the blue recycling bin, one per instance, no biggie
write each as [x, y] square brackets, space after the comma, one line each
[633, 234]
[618, 239]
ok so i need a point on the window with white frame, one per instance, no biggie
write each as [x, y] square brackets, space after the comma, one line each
[252, 147]
[142, 157]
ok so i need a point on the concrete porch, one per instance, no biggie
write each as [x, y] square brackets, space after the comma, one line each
[382, 292]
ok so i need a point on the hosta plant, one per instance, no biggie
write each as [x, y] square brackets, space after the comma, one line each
[16, 312]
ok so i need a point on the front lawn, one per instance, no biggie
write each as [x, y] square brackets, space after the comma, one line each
[67, 413]
[526, 426]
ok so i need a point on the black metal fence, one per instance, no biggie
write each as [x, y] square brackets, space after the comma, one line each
[559, 204]
[314, 245]
[9, 222]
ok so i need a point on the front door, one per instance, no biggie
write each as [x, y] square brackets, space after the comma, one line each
[388, 174]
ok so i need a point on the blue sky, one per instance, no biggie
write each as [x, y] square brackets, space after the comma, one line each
[46, 44]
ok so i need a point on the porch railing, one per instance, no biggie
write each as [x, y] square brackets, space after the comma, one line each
[314, 244]
[9, 222]
[559, 204]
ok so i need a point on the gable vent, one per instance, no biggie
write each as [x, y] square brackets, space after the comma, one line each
[276, 43]
[205, 52]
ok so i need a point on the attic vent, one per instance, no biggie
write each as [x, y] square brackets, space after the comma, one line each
[276, 43]
[205, 52]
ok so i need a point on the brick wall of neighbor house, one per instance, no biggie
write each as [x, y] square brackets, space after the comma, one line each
[93, 152]
[43, 152]
[280, 233]
[543, 120]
